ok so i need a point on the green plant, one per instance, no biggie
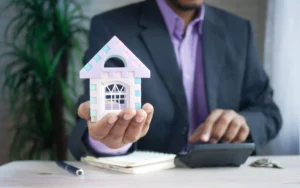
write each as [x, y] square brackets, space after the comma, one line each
[44, 40]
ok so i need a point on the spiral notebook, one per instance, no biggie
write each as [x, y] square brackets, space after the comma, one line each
[138, 162]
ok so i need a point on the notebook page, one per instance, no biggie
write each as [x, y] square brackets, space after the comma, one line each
[136, 158]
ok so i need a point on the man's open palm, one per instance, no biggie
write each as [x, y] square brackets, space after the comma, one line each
[116, 130]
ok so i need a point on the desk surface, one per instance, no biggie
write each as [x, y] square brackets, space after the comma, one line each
[47, 174]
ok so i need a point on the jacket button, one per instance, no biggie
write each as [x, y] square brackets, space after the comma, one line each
[184, 130]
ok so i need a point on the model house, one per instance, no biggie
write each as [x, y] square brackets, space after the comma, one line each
[113, 89]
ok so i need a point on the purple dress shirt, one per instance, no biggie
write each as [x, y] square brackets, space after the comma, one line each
[188, 49]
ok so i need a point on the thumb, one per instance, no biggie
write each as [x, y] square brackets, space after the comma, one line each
[84, 110]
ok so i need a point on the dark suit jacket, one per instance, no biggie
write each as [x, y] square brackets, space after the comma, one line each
[233, 72]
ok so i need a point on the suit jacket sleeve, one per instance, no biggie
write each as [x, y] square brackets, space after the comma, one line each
[99, 35]
[262, 114]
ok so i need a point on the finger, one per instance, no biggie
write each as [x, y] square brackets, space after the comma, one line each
[148, 108]
[221, 125]
[84, 110]
[233, 130]
[117, 132]
[100, 129]
[203, 132]
[242, 134]
[135, 127]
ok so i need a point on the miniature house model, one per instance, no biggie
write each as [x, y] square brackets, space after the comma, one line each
[113, 89]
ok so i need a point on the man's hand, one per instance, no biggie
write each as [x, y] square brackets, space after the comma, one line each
[222, 124]
[117, 130]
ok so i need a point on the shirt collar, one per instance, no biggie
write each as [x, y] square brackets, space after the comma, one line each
[174, 23]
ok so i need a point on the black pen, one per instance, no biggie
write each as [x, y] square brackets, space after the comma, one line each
[69, 168]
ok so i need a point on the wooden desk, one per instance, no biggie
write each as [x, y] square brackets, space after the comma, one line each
[47, 174]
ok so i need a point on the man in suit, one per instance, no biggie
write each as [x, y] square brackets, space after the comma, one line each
[207, 83]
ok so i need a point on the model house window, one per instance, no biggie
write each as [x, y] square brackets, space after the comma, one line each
[115, 97]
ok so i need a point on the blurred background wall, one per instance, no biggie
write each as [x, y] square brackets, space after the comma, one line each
[254, 10]
[281, 62]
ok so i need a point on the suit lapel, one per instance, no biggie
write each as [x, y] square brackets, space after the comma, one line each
[214, 43]
[163, 55]
[160, 47]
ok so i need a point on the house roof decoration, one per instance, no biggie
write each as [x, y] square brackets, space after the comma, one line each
[114, 49]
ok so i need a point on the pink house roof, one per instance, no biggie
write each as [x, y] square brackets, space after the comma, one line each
[114, 48]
